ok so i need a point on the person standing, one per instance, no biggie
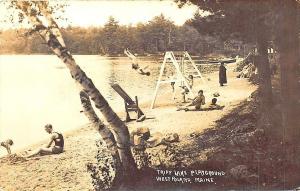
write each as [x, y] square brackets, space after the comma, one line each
[222, 74]
[185, 90]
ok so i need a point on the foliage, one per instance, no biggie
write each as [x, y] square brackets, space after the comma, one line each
[102, 172]
[235, 19]
[156, 36]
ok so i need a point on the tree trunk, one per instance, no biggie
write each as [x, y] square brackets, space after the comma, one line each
[105, 133]
[263, 68]
[265, 120]
[288, 44]
[120, 129]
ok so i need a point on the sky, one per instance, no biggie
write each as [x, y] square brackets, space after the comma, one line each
[96, 13]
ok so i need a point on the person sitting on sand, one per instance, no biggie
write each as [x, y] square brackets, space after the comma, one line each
[197, 102]
[185, 90]
[7, 144]
[214, 105]
[55, 137]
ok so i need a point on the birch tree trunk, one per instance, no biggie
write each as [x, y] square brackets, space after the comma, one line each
[54, 42]
[105, 133]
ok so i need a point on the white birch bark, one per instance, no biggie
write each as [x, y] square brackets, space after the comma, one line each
[118, 126]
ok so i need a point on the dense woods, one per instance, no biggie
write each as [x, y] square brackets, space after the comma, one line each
[156, 36]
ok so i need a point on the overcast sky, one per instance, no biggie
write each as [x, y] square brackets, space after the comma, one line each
[96, 13]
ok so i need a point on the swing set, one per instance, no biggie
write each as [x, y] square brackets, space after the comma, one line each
[183, 65]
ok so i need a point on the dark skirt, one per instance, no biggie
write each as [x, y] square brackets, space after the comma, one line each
[222, 75]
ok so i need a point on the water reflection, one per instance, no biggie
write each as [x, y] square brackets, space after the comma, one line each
[38, 89]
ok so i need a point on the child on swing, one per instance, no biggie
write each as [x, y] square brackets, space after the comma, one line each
[185, 90]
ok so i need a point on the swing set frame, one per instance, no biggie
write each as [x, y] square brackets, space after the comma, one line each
[179, 65]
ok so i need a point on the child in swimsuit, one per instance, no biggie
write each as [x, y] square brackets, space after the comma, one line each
[7, 144]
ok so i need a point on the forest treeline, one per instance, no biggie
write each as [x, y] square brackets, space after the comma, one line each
[156, 36]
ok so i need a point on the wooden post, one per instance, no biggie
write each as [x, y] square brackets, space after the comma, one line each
[194, 66]
[180, 73]
[137, 108]
[127, 112]
[158, 81]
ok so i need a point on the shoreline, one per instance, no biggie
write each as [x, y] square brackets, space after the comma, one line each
[145, 57]
[68, 169]
[165, 102]
[36, 92]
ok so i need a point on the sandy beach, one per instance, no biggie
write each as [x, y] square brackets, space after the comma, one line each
[212, 89]
[67, 171]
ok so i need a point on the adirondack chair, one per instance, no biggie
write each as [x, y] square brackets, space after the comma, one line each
[130, 105]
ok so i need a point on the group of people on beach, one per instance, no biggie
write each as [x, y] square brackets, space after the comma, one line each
[48, 149]
[197, 103]
[199, 100]
[58, 139]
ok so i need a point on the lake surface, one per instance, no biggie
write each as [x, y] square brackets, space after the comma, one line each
[38, 89]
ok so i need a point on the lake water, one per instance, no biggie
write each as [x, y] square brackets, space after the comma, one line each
[38, 89]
